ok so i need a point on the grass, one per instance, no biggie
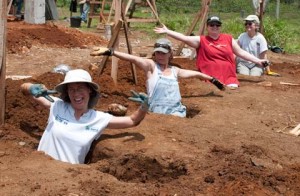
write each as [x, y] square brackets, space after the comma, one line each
[178, 15]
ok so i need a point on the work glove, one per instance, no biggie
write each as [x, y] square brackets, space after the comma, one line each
[38, 90]
[101, 51]
[266, 63]
[271, 73]
[218, 84]
[142, 98]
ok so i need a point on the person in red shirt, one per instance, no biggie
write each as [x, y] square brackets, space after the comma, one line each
[215, 51]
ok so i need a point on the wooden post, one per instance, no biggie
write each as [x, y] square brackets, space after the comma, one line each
[114, 60]
[201, 14]
[205, 9]
[261, 13]
[111, 43]
[278, 8]
[3, 21]
[133, 70]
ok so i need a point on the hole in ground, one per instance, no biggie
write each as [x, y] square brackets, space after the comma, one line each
[140, 168]
[191, 112]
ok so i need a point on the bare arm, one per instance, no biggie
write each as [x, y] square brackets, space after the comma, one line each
[193, 41]
[238, 51]
[185, 73]
[145, 64]
[127, 121]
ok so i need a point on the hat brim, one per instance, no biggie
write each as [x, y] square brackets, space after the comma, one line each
[61, 88]
[160, 49]
[214, 21]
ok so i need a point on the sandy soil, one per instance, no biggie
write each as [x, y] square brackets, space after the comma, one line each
[232, 143]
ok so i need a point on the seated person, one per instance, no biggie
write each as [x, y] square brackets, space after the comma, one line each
[255, 43]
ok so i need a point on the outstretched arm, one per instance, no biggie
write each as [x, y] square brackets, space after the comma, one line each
[42, 99]
[238, 51]
[193, 41]
[135, 118]
[145, 64]
[185, 73]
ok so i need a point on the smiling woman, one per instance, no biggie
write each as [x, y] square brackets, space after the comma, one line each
[72, 123]
[215, 51]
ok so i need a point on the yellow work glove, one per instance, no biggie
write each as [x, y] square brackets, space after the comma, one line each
[271, 73]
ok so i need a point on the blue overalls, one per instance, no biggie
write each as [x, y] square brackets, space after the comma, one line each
[166, 98]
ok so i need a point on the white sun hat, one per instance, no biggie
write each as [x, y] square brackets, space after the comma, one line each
[79, 75]
[253, 18]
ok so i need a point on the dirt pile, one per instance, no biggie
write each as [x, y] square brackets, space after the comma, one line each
[232, 143]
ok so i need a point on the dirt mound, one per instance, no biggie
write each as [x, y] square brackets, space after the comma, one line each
[21, 36]
[232, 143]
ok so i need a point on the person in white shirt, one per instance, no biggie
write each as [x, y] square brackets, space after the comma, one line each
[72, 123]
[254, 43]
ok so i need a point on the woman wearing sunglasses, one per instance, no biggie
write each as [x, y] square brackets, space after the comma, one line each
[162, 77]
[215, 51]
[255, 43]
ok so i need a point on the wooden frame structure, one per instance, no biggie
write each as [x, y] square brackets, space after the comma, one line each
[101, 15]
[114, 42]
[202, 14]
[128, 11]
[3, 21]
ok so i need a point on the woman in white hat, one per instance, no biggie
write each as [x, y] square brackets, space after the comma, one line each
[254, 43]
[72, 123]
[162, 77]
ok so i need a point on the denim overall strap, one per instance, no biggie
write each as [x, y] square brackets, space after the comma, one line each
[166, 98]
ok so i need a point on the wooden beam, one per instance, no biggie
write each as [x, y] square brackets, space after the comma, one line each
[200, 15]
[115, 60]
[133, 70]
[142, 20]
[261, 13]
[3, 21]
[111, 44]
[204, 16]
[9, 6]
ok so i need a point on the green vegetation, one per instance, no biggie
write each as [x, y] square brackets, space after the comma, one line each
[178, 15]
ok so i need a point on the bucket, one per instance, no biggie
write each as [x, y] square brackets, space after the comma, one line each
[107, 28]
[75, 21]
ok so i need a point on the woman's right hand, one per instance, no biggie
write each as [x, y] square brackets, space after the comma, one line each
[162, 29]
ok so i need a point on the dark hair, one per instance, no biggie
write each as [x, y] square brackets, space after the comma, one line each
[65, 97]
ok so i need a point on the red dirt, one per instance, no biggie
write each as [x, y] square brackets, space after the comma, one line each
[232, 143]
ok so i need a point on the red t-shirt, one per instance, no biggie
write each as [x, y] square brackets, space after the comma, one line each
[215, 58]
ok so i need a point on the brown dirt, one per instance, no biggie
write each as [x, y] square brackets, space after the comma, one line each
[232, 143]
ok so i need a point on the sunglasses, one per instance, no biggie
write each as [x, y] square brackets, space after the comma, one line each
[165, 46]
[214, 25]
[248, 23]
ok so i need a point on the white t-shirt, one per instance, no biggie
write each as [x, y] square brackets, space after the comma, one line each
[255, 46]
[67, 139]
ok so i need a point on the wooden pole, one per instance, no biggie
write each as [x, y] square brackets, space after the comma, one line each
[200, 15]
[3, 21]
[9, 6]
[114, 60]
[133, 70]
[111, 44]
[278, 8]
[261, 13]
[204, 16]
